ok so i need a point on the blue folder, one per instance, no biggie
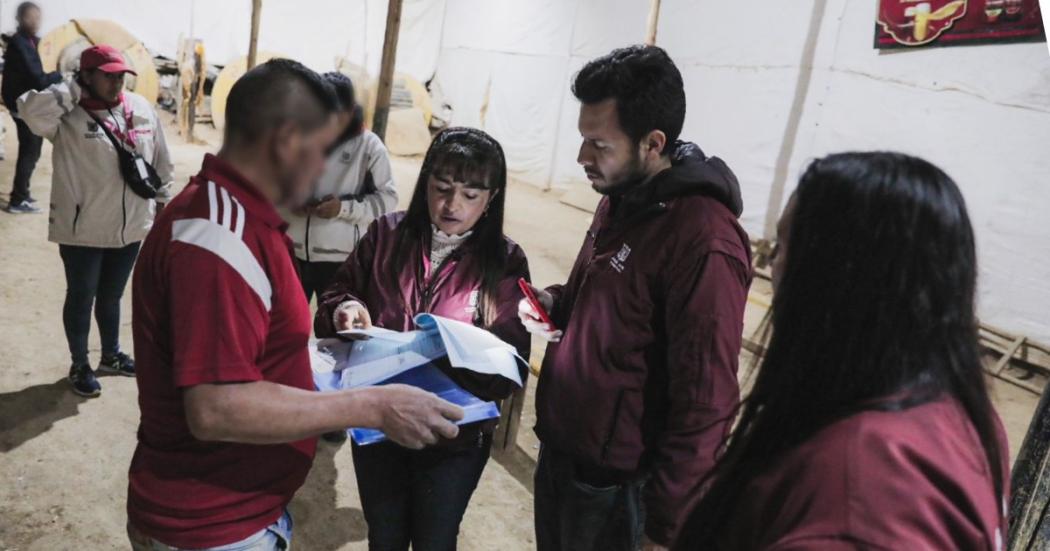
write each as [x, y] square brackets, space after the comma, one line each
[427, 377]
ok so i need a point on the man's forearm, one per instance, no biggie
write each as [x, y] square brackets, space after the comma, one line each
[270, 413]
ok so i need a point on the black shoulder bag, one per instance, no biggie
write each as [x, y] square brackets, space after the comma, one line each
[140, 176]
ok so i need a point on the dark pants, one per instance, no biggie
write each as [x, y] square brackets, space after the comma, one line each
[416, 496]
[94, 276]
[316, 276]
[572, 515]
[28, 154]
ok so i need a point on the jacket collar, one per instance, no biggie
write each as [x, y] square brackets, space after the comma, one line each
[691, 173]
[219, 171]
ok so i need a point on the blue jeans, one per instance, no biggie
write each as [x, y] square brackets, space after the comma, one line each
[584, 515]
[416, 497]
[94, 277]
[275, 537]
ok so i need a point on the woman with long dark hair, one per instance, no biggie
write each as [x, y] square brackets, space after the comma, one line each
[869, 425]
[446, 255]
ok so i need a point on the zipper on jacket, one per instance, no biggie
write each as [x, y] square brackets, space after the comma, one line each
[124, 190]
[306, 240]
[612, 425]
[590, 262]
[124, 213]
[431, 285]
[658, 207]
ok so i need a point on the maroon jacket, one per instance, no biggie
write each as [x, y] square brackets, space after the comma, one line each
[643, 382]
[905, 479]
[393, 299]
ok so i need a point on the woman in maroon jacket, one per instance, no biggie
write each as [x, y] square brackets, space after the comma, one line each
[446, 255]
[869, 426]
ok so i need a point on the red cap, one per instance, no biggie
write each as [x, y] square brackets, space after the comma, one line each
[104, 58]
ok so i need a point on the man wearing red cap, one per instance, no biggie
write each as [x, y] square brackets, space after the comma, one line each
[96, 218]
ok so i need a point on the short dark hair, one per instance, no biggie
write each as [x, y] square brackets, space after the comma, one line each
[24, 7]
[343, 88]
[273, 94]
[647, 88]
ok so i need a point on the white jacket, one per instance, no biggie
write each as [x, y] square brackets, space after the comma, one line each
[358, 171]
[91, 205]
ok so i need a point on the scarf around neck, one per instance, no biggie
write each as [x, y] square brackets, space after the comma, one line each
[442, 244]
[92, 103]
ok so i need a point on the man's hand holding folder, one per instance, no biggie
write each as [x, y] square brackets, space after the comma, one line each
[415, 418]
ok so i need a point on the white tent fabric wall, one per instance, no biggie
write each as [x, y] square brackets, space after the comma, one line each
[314, 32]
[982, 113]
[740, 63]
[503, 69]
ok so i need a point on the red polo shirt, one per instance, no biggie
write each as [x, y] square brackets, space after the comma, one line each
[216, 300]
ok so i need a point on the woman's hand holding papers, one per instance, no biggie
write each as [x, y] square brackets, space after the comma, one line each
[351, 315]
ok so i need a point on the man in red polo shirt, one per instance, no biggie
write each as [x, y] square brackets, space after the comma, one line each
[221, 328]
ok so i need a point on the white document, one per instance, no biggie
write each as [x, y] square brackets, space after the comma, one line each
[472, 348]
[377, 333]
[385, 354]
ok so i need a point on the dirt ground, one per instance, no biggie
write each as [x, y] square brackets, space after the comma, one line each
[64, 459]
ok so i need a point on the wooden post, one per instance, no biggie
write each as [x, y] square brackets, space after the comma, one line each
[253, 44]
[386, 69]
[197, 92]
[1030, 485]
[654, 19]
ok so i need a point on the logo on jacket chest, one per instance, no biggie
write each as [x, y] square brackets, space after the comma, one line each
[472, 302]
[93, 131]
[619, 260]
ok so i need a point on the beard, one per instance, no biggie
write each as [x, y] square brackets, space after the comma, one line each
[622, 180]
[291, 193]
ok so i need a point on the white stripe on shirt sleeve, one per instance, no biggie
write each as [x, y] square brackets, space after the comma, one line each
[213, 207]
[227, 210]
[210, 236]
[240, 219]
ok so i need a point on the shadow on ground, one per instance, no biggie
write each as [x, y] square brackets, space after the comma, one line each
[319, 521]
[32, 411]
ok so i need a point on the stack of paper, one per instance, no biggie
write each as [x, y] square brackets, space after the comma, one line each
[385, 357]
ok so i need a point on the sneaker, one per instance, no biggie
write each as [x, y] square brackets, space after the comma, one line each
[25, 207]
[118, 364]
[335, 437]
[84, 381]
[31, 200]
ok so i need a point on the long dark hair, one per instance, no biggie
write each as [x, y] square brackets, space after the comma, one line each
[874, 310]
[465, 155]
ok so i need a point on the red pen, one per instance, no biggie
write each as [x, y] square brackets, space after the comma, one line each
[526, 289]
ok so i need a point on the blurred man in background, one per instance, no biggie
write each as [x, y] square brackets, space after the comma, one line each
[22, 73]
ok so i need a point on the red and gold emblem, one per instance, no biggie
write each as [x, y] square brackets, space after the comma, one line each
[918, 22]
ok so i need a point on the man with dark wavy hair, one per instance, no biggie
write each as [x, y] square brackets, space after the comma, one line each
[638, 386]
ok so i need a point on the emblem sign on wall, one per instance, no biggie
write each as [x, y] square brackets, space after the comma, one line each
[913, 23]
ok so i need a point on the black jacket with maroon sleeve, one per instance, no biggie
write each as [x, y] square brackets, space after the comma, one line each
[22, 70]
